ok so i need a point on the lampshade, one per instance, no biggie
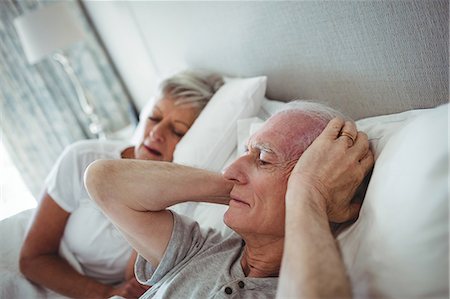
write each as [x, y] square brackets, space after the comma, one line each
[50, 28]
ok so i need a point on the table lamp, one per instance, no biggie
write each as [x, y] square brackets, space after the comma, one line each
[48, 31]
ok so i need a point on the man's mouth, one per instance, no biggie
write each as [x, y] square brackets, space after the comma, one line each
[239, 201]
[153, 151]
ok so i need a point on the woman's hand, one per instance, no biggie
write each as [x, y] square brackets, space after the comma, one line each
[129, 289]
[39, 259]
[332, 168]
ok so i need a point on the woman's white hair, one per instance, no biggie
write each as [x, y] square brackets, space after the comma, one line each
[195, 88]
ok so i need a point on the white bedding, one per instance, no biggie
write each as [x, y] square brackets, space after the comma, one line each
[12, 230]
[12, 283]
[373, 271]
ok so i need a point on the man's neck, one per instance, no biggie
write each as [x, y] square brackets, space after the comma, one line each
[262, 259]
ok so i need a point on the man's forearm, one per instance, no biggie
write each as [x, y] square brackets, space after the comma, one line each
[153, 186]
[311, 266]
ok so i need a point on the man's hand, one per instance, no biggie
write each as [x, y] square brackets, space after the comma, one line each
[320, 190]
[333, 167]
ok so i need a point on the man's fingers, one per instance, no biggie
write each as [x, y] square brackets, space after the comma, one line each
[367, 162]
[348, 133]
[361, 146]
[333, 128]
[350, 128]
[354, 211]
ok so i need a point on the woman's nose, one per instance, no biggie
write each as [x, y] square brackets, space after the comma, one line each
[237, 171]
[157, 133]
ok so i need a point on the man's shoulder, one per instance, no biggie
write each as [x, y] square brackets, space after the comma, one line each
[211, 234]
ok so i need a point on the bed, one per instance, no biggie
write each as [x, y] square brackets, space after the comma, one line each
[383, 63]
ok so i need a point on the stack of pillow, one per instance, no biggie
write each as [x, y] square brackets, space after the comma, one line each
[398, 248]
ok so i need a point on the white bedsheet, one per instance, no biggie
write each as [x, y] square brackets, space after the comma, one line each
[12, 283]
[12, 232]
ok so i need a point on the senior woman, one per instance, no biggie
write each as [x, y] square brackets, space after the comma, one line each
[67, 217]
[181, 260]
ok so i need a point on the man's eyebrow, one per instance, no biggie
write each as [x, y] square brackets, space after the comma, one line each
[264, 147]
[156, 107]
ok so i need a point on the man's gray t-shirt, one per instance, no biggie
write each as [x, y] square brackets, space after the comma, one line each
[201, 263]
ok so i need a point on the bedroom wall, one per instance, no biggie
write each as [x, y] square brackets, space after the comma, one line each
[121, 34]
[366, 58]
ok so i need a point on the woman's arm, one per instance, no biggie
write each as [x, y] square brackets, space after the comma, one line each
[40, 262]
[131, 288]
[135, 194]
[129, 271]
[319, 191]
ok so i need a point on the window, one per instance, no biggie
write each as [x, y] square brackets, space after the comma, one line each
[14, 195]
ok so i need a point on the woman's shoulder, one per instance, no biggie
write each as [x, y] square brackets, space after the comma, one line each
[94, 146]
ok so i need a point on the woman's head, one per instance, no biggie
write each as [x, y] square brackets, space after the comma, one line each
[181, 100]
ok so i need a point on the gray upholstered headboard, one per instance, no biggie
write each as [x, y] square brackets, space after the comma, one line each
[363, 57]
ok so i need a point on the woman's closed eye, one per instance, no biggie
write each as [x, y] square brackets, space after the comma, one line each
[154, 119]
[178, 133]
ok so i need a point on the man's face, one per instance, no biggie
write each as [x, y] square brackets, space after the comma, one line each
[257, 204]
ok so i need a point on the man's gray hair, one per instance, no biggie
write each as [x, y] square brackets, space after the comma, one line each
[195, 88]
[321, 113]
[314, 109]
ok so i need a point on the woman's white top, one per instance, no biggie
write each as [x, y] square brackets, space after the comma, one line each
[92, 239]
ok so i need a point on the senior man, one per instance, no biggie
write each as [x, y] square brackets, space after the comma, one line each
[181, 260]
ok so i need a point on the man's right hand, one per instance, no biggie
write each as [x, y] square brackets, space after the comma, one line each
[333, 167]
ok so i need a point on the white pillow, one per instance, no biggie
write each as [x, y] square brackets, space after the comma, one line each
[145, 112]
[245, 128]
[398, 248]
[381, 128]
[212, 138]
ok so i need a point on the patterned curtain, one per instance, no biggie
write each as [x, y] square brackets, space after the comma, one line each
[40, 114]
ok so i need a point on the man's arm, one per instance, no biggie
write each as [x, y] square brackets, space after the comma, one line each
[134, 194]
[320, 189]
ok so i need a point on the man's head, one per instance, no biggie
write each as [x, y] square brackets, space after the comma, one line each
[260, 176]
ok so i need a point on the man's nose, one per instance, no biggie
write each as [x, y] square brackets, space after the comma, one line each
[237, 171]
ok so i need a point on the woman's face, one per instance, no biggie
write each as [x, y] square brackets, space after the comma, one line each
[164, 128]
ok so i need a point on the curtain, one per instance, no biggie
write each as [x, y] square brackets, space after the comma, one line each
[40, 114]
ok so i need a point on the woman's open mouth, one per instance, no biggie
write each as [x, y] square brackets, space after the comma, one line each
[153, 151]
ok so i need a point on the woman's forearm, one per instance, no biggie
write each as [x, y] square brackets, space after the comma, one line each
[53, 272]
[153, 186]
